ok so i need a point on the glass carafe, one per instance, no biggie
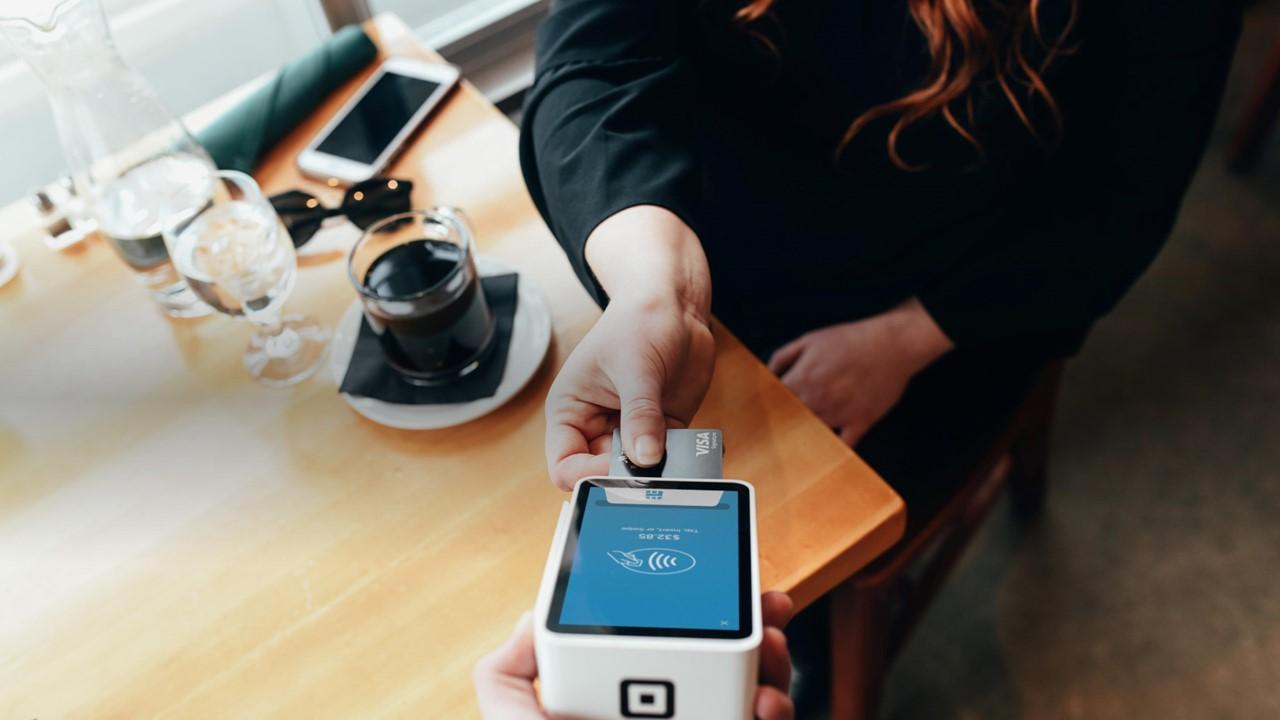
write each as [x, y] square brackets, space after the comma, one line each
[132, 161]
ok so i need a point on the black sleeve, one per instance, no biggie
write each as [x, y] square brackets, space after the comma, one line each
[604, 124]
[1052, 278]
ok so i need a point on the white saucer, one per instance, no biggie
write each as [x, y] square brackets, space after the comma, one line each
[8, 263]
[530, 338]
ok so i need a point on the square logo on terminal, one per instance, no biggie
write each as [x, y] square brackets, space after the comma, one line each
[648, 699]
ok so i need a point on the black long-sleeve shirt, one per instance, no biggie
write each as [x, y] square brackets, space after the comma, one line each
[668, 103]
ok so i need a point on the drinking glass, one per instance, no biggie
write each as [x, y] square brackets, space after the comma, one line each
[416, 275]
[236, 257]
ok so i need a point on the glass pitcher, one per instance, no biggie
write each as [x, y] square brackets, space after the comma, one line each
[134, 164]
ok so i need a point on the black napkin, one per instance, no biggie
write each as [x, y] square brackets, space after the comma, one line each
[370, 376]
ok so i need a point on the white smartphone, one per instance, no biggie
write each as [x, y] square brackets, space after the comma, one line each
[372, 127]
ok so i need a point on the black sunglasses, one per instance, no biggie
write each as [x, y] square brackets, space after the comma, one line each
[363, 204]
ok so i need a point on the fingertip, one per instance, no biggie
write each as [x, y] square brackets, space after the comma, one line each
[850, 435]
[644, 435]
[783, 357]
[602, 445]
[776, 638]
[558, 477]
[570, 470]
[514, 656]
[773, 704]
[524, 623]
[775, 660]
[643, 423]
[777, 608]
[648, 450]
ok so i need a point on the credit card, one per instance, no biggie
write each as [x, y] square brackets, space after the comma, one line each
[696, 453]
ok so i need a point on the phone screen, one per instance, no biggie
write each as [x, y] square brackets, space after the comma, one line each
[373, 123]
[668, 559]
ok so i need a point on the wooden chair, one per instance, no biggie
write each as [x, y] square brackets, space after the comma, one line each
[873, 612]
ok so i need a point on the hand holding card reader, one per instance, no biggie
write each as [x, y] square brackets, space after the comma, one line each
[650, 603]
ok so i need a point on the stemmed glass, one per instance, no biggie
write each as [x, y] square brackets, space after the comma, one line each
[235, 256]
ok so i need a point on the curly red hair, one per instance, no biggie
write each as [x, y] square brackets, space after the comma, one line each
[961, 47]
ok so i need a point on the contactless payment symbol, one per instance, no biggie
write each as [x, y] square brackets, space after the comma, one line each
[654, 561]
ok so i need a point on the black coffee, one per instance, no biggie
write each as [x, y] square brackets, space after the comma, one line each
[433, 336]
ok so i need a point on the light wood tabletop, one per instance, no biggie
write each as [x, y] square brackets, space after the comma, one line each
[179, 541]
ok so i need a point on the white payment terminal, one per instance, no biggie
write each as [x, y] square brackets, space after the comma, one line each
[650, 602]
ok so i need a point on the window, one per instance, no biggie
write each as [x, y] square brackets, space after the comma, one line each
[193, 51]
[190, 51]
[491, 40]
[419, 13]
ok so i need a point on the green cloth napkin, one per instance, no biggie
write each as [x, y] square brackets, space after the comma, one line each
[241, 135]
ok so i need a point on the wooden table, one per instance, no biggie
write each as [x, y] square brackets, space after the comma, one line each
[177, 540]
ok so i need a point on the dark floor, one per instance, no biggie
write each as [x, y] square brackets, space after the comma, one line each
[1152, 587]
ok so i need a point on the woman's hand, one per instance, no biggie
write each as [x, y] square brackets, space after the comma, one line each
[647, 362]
[504, 678]
[851, 374]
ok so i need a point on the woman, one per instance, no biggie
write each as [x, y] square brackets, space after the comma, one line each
[906, 206]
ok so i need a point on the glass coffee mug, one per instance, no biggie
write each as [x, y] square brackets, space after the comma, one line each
[417, 279]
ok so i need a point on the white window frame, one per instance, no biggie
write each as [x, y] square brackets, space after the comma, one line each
[493, 46]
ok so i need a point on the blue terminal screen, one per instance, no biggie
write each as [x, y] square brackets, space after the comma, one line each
[657, 559]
